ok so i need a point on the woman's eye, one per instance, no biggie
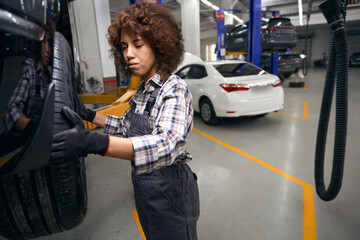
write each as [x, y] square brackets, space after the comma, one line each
[138, 46]
[123, 48]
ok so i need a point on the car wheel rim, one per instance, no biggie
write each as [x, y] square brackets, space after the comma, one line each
[206, 112]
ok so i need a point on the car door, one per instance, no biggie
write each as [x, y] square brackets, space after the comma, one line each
[195, 76]
[196, 80]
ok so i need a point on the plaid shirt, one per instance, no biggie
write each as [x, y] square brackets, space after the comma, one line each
[171, 121]
[24, 96]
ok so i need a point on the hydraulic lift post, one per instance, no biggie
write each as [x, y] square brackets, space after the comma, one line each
[254, 41]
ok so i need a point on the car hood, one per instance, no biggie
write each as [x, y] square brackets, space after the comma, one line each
[254, 80]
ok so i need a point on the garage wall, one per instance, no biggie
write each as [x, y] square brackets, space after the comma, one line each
[354, 41]
[203, 43]
[320, 42]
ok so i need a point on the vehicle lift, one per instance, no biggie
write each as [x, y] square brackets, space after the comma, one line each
[254, 44]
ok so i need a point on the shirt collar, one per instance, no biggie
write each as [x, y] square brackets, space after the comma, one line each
[152, 83]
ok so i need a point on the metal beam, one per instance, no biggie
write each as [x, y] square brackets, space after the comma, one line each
[254, 45]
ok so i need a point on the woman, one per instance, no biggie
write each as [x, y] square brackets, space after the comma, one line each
[152, 133]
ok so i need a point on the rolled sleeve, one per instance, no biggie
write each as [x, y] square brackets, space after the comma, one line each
[116, 125]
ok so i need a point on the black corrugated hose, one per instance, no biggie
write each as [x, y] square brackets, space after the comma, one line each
[337, 73]
[305, 62]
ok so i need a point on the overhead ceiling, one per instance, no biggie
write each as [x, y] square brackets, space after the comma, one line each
[287, 8]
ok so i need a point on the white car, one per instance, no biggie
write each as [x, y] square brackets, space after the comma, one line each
[231, 88]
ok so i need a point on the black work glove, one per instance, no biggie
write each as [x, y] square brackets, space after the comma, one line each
[84, 113]
[77, 141]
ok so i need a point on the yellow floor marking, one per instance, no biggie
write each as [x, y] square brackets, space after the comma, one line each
[309, 223]
[305, 110]
[136, 218]
[3, 161]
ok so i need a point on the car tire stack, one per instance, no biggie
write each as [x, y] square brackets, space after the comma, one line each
[53, 198]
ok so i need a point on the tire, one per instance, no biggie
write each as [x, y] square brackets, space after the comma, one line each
[297, 84]
[207, 112]
[53, 198]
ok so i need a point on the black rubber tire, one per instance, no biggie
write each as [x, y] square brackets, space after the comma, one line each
[53, 198]
[298, 84]
[207, 112]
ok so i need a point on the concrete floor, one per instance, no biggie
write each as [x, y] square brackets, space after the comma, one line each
[255, 177]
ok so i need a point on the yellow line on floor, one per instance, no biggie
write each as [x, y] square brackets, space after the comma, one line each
[309, 223]
[305, 110]
[136, 218]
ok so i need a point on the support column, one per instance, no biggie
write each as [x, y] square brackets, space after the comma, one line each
[254, 51]
[89, 22]
[103, 21]
[190, 17]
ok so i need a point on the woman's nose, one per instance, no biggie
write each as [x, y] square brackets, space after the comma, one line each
[130, 52]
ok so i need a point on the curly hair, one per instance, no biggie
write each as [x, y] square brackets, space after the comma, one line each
[158, 27]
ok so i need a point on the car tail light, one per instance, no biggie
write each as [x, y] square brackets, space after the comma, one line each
[277, 83]
[234, 87]
[269, 28]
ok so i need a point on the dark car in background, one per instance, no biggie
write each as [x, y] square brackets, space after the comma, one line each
[288, 63]
[278, 34]
[354, 60]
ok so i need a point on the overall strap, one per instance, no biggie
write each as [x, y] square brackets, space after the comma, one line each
[151, 101]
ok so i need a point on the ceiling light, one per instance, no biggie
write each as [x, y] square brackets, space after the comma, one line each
[215, 7]
[300, 12]
[207, 3]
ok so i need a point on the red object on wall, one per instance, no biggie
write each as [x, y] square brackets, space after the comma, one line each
[220, 16]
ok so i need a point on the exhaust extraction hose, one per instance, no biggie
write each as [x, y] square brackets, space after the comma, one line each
[337, 73]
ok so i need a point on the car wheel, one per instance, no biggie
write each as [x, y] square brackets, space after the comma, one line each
[53, 198]
[207, 112]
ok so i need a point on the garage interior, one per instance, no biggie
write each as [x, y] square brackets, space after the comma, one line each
[255, 174]
[256, 177]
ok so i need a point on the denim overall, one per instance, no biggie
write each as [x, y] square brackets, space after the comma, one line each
[167, 199]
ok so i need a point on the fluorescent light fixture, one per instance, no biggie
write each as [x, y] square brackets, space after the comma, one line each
[215, 7]
[207, 3]
[300, 12]
[238, 19]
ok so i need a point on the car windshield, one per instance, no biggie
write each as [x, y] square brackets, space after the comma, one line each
[277, 22]
[237, 69]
